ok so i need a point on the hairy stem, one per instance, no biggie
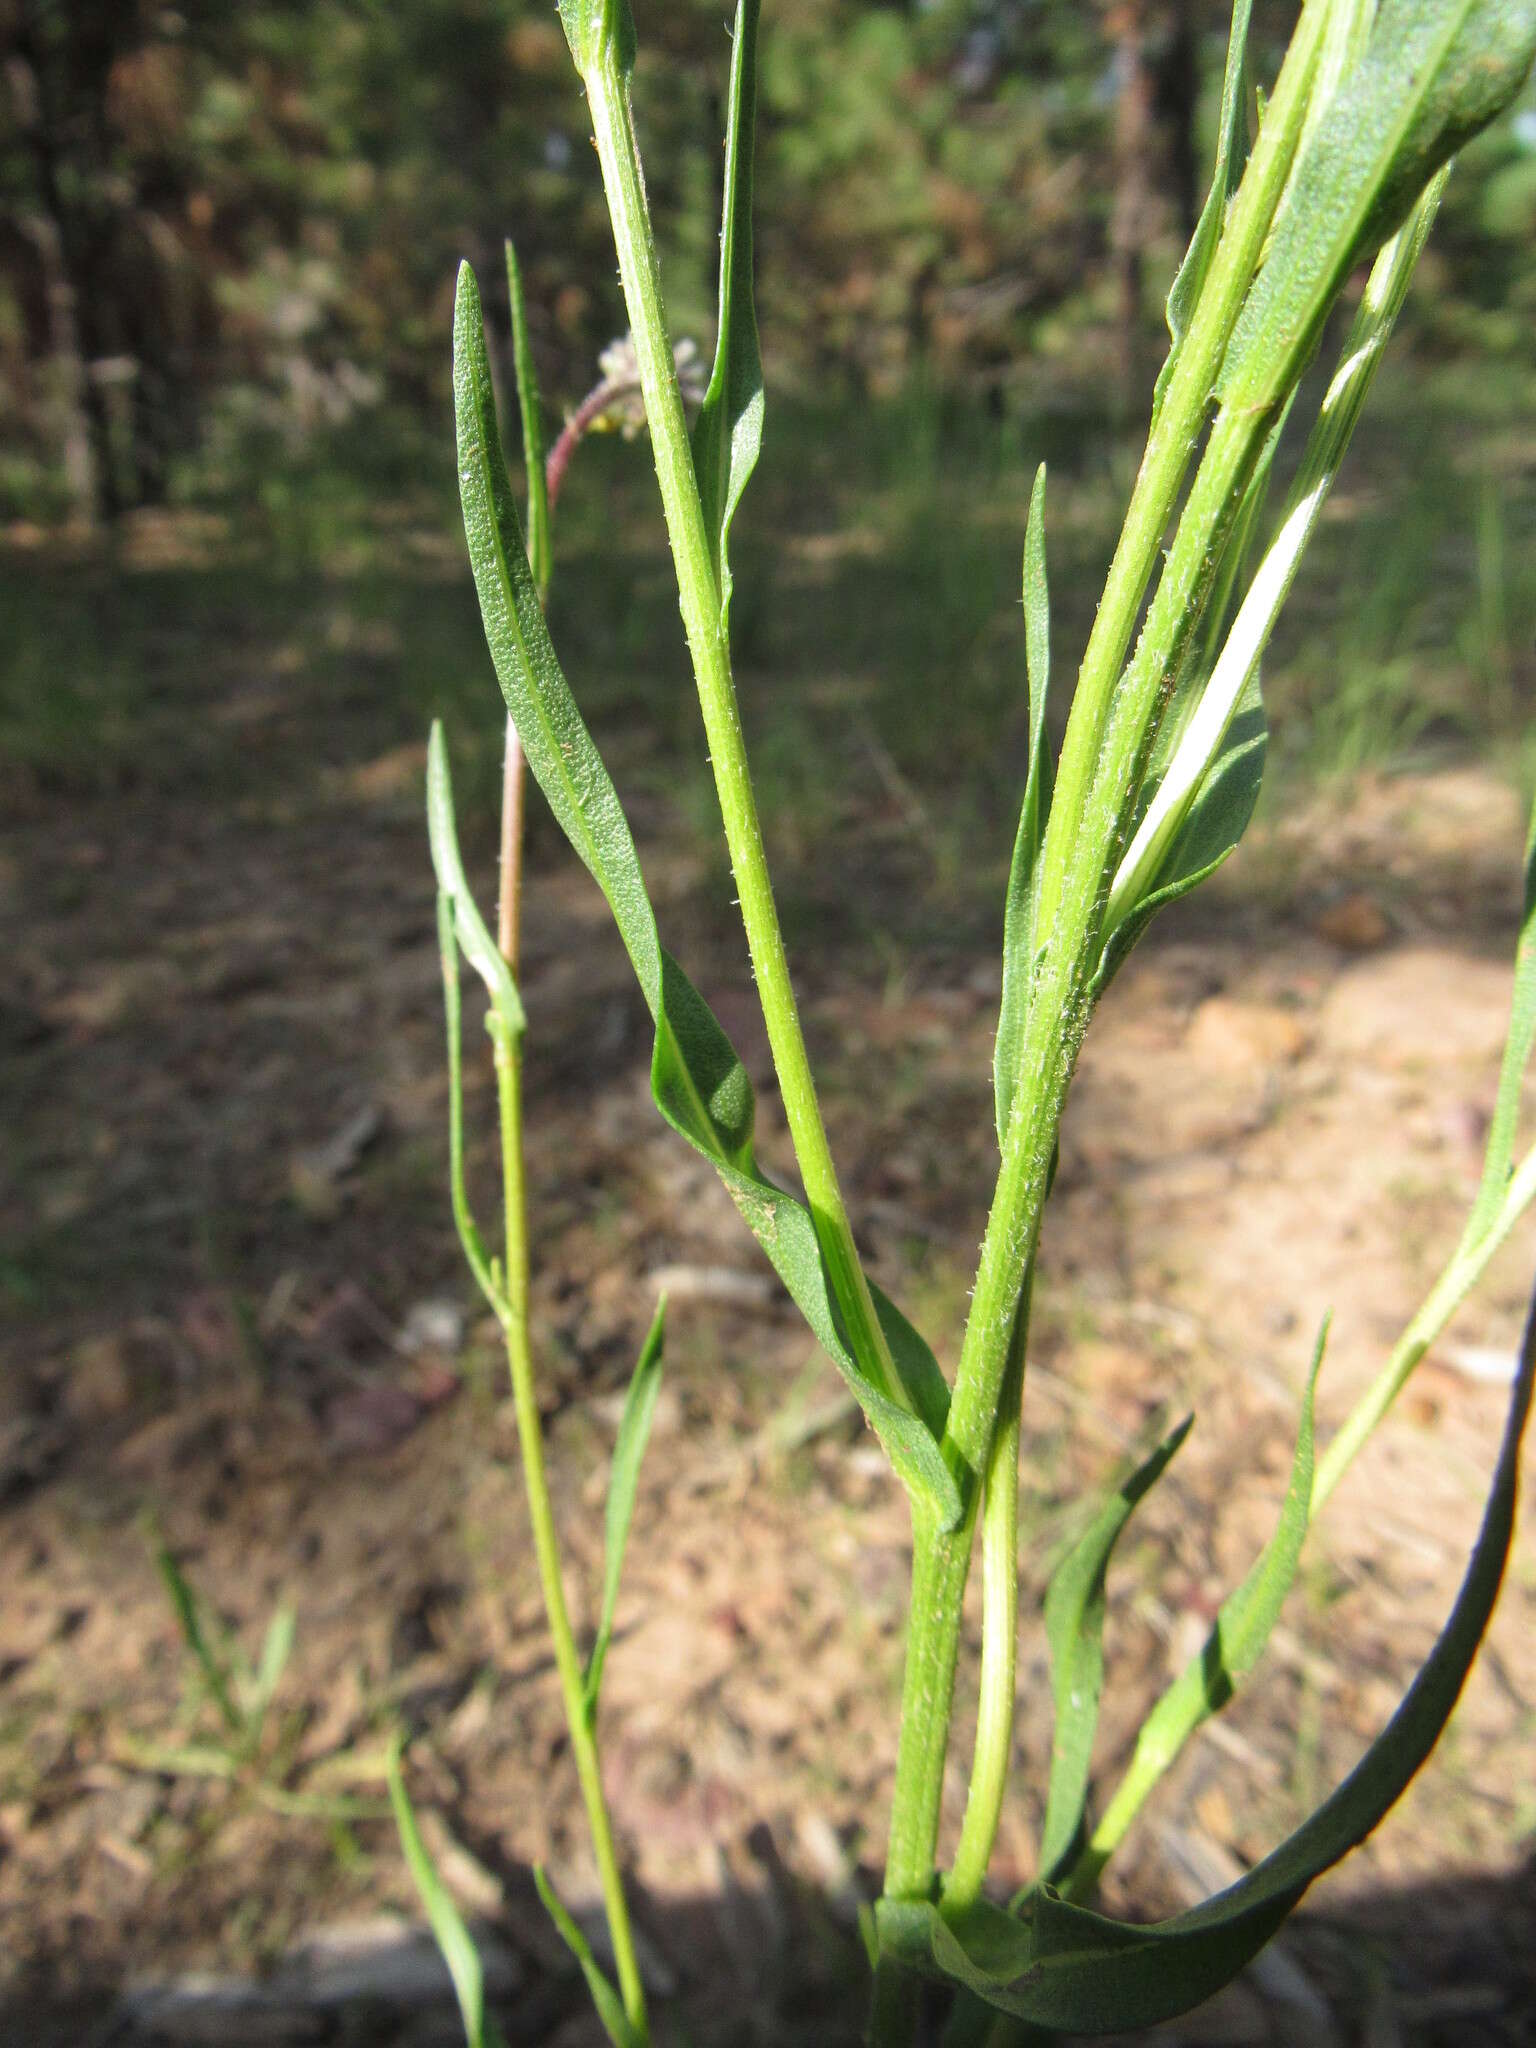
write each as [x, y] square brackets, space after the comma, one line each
[1109, 737]
[613, 128]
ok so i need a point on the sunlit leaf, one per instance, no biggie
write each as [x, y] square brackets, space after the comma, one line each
[729, 433]
[1074, 1628]
[593, 28]
[1231, 155]
[1499, 1154]
[1433, 73]
[480, 948]
[276, 1649]
[697, 1079]
[1019, 909]
[609, 2008]
[623, 1483]
[453, 1938]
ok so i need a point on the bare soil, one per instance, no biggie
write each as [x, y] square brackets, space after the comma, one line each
[236, 1301]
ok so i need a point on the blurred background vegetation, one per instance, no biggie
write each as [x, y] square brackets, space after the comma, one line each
[227, 245]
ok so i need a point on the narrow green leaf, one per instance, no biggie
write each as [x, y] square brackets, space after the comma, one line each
[729, 433]
[1499, 1155]
[189, 1619]
[609, 2008]
[1433, 73]
[1063, 1966]
[1019, 909]
[463, 1217]
[1074, 1629]
[453, 1938]
[479, 947]
[1214, 824]
[1247, 1616]
[623, 1483]
[1231, 155]
[276, 1649]
[539, 552]
[698, 1081]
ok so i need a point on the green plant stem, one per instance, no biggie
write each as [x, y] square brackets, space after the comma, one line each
[1465, 1268]
[999, 1634]
[613, 128]
[542, 1520]
[1109, 737]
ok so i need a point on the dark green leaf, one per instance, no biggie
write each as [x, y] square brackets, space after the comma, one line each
[453, 1938]
[1434, 72]
[729, 432]
[699, 1083]
[189, 1619]
[1019, 909]
[1074, 1628]
[623, 1482]
[1231, 155]
[1063, 1966]
[609, 2009]
[539, 551]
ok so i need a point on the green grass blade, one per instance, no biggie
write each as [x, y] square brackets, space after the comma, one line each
[1433, 73]
[1019, 909]
[623, 1484]
[728, 435]
[540, 559]
[604, 1997]
[189, 1619]
[1065, 1967]
[697, 1079]
[1231, 155]
[1074, 1629]
[453, 1938]
[1499, 1154]
[276, 1649]
[442, 833]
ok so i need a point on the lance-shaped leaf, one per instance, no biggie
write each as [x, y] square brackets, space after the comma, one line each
[1434, 72]
[610, 2009]
[1060, 1965]
[1231, 155]
[531, 411]
[1074, 1629]
[729, 433]
[1019, 909]
[453, 1938]
[623, 1484]
[697, 1079]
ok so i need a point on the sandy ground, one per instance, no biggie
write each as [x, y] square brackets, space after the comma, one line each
[241, 1308]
